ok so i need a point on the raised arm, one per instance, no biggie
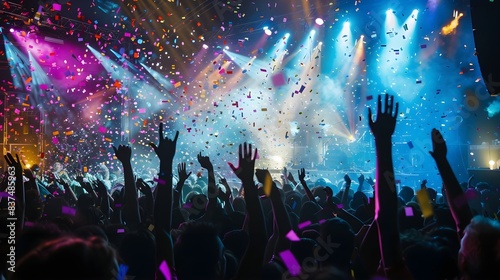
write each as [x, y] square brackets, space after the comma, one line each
[281, 218]
[69, 195]
[163, 202]
[145, 189]
[102, 191]
[212, 188]
[254, 255]
[130, 206]
[460, 209]
[183, 176]
[385, 191]
[226, 196]
[345, 193]
[165, 150]
[302, 175]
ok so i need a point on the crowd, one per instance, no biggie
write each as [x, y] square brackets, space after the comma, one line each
[179, 225]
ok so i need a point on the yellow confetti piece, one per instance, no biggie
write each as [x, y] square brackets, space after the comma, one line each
[55, 133]
[268, 183]
[108, 139]
[425, 203]
[68, 133]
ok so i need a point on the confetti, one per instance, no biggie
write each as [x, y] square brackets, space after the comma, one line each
[290, 262]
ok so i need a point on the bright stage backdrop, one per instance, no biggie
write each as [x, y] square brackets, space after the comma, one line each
[292, 77]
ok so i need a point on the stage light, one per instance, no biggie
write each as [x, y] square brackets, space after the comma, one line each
[11, 30]
[312, 32]
[320, 21]
[205, 46]
[389, 11]
[347, 24]
[267, 31]
[415, 11]
[492, 164]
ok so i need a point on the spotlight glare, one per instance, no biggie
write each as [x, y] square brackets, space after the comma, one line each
[320, 21]
[268, 32]
[313, 32]
[11, 30]
[205, 46]
[389, 11]
[347, 24]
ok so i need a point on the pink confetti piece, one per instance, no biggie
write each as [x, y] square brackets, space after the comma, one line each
[68, 211]
[278, 79]
[102, 129]
[409, 212]
[290, 262]
[5, 194]
[304, 224]
[120, 230]
[292, 236]
[159, 181]
[56, 7]
[165, 270]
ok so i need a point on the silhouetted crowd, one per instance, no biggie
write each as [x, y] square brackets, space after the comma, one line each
[174, 224]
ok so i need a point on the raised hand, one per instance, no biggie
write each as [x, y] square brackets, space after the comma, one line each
[29, 174]
[16, 163]
[347, 179]
[224, 196]
[223, 181]
[166, 147]
[439, 149]
[291, 178]
[246, 163]
[302, 174]
[361, 179]
[123, 153]
[385, 124]
[101, 188]
[205, 162]
[370, 181]
[181, 170]
[263, 175]
[143, 187]
[423, 184]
